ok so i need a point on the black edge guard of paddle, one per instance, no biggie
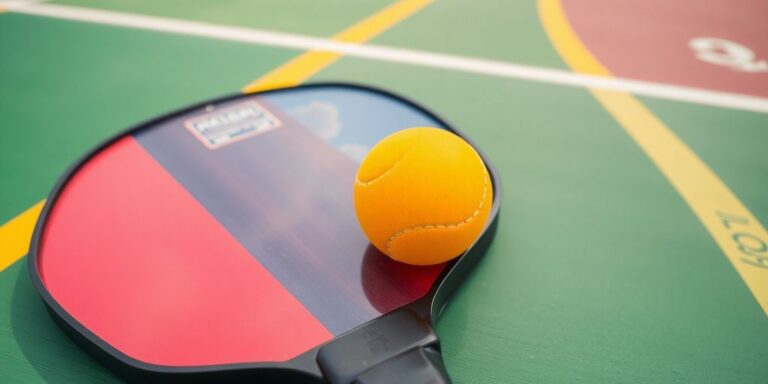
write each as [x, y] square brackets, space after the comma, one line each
[400, 347]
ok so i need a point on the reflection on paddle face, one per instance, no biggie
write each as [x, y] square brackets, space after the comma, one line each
[223, 238]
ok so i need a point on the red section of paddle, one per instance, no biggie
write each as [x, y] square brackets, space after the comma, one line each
[649, 39]
[131, 255]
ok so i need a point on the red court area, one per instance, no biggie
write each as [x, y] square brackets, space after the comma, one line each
[652, 40]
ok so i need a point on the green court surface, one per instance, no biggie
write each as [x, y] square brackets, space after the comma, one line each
[600, 272]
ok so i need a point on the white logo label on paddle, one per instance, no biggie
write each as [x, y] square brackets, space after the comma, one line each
[231, 124]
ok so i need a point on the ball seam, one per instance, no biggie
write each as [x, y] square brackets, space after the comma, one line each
[457, 224]
[366, 183]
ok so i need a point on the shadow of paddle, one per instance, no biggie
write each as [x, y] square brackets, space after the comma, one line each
[55, 357]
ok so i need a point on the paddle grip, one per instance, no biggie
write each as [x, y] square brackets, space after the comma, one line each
[399, 347]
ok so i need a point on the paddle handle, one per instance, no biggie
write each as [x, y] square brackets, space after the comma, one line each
[399, 347]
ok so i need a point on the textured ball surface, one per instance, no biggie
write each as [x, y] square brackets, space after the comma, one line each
[422, 196]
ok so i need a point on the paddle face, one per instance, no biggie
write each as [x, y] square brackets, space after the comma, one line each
[226, 233]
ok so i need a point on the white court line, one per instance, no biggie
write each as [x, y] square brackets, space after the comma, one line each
[19, 3]
[397, 55]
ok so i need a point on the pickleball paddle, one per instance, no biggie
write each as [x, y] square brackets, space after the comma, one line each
[219, 243]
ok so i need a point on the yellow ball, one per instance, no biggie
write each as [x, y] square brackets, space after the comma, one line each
[422, 196]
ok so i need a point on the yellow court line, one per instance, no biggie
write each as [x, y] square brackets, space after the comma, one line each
[15, 235]
[304, 66]
[738, 233]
